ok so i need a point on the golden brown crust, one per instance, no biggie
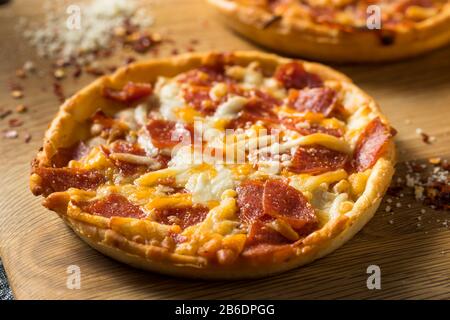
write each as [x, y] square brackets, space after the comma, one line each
[294, 37]
[106, 235]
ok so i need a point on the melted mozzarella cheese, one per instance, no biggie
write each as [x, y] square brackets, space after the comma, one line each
[325, 140]
[253, 76]
[145, 142]
[209, 185]
[169, 98]
[231, 107]
[308, 183]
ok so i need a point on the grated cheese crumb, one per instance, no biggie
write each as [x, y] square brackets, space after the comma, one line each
[98, 21]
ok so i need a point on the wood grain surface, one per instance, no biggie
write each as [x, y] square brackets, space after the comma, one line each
[36, 247]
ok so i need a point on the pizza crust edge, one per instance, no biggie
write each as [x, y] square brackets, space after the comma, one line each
[153, 258]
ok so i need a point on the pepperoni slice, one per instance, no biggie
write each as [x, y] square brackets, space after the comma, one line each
[182, 216]
[285, 202]
[113, 205]
[122, 146]
[371, 144]
[317, 100]
[262, 202]
[316, 159]
[100, 117]
[260, 233]
[263, 241]
[257, 200]
[130, 92]
[261, 100]
[249, 200]
[205, 75]
[63, 155]
[257, 109]
[263, 108]
[127, 168]
[165, 134]
[61, 179]
[293, 76]
[246, 119]
[198, 98]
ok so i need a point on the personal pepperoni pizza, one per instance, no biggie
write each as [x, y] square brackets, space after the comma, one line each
[341, 30]
[213, 165]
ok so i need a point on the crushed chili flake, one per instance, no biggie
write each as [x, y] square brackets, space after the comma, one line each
[14, 86]
[77, 71]
[13, 123]
[129, 60]
[21, 108]
[27, 137]
[112, 68]
[95, 71]
[426, 182]
[425, 138]
[142, 42]
[58, 91]
[20, 73]
[4, 113]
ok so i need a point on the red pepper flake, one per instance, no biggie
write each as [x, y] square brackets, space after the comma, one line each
[14, 86]
[14, 123]
[10, 134]
[58, 91]
[27, 137]
[129, 60]
[130, 92]
[425, 138]
[112, 68]
[95, 71]
[4, 113]
[174, 51]
[21, 108]
[77, 72]
[427, 182]
[20, 73]
[142, 42]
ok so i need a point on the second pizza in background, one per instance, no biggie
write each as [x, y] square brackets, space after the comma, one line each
[341, 30]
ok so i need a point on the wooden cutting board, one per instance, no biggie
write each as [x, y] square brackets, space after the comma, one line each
[37, 248]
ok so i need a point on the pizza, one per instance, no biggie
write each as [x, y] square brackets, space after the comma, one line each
[341, 30]
[217, 165]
